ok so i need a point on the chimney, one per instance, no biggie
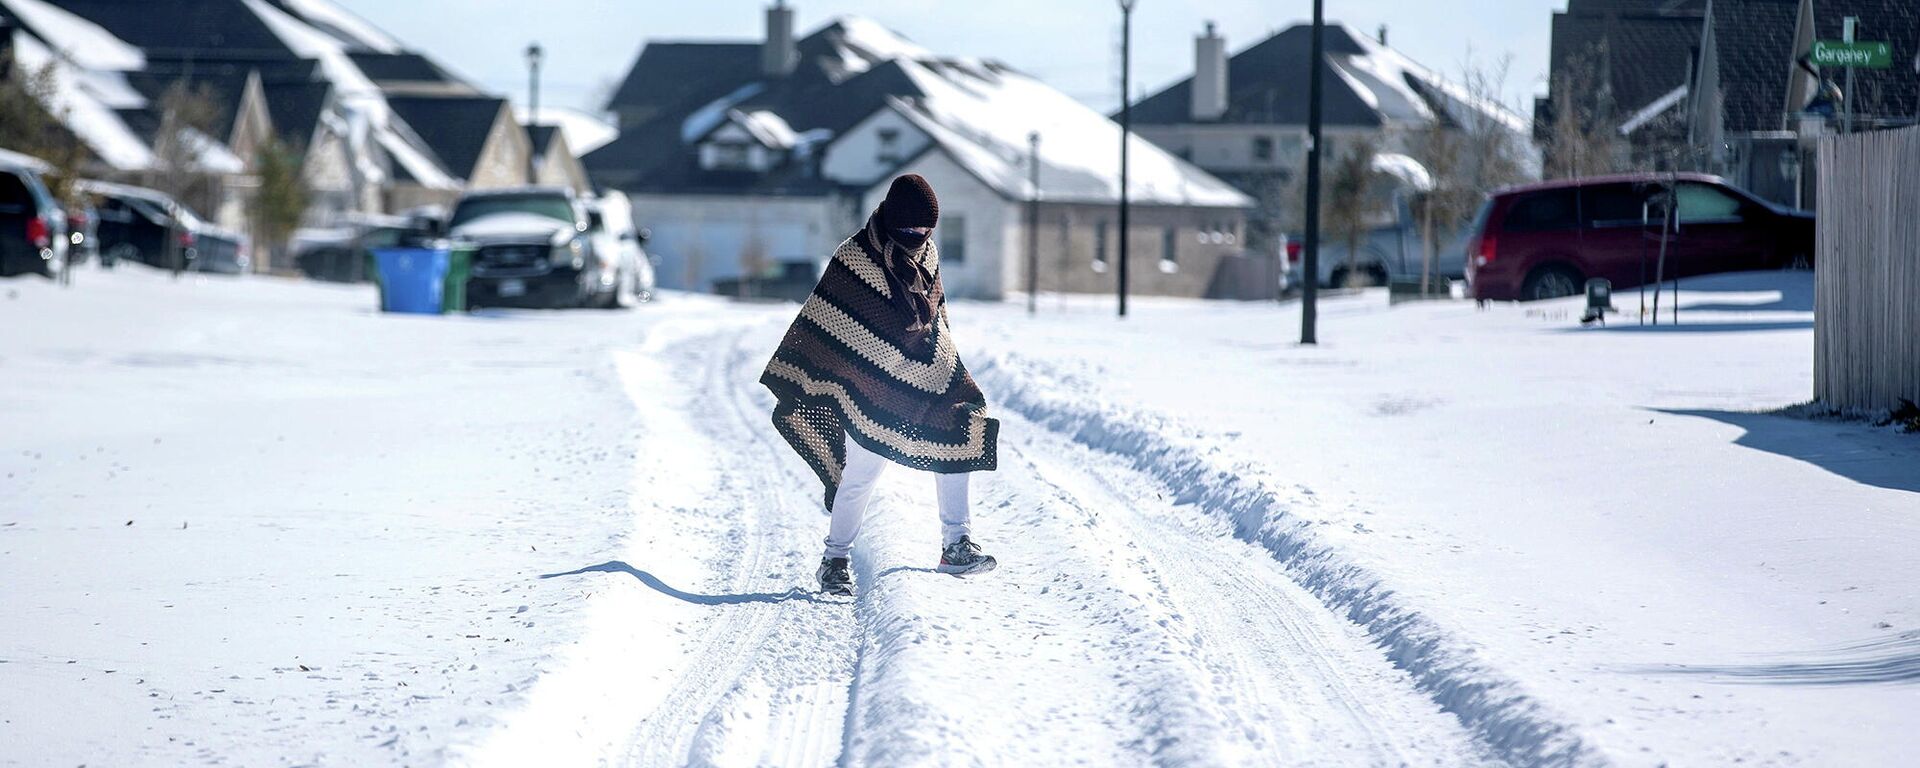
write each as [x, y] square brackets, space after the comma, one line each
[1383, 34]
[1209, 76]
[777, 54]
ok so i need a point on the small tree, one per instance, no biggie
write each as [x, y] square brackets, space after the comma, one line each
[1347, 213]
[281, 199]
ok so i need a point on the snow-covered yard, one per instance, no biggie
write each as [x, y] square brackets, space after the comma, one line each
[252, 522]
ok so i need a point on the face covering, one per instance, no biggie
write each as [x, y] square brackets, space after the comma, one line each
[908, 238]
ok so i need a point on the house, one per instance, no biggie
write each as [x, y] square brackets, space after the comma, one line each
[304, 72]
[743, 156]
[1243, 117]
[473, 138]
[1753, 112]
[1625, 68]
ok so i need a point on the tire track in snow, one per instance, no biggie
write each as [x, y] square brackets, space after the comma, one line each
[769, 685]
[1300, 684]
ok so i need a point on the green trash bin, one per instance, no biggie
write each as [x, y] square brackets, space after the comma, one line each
[459, 269]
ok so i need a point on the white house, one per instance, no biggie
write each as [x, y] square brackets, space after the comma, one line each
[742, 156]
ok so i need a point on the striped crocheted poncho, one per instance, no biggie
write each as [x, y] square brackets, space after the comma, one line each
[849, 366]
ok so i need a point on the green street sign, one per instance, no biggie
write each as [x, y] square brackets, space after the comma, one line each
[1834, 53]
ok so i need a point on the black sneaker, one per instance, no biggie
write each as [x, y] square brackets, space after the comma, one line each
[963, 557]
[835, 577]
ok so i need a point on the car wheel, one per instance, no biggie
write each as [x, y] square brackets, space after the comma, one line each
[1552, 281]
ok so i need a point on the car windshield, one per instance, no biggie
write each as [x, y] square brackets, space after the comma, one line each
[551, 206]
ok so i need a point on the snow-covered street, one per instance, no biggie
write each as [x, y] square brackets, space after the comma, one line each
[253, 522]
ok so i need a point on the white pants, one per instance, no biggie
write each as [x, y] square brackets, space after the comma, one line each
[856, 489]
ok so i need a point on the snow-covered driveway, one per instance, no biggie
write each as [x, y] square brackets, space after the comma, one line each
[251, 522]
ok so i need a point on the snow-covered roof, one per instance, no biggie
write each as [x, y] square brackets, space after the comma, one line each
[584, 132]
[343, 25]
[981, 117]
[766, 127]
[88, 100]
[703, 120]
[357, 94]
[1388, 77]
[864, 42]
[79, 40]
[1651, 111]
[1408, 170]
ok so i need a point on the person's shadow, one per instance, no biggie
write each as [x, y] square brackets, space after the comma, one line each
[654, 582]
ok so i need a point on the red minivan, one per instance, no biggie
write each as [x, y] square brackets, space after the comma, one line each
[1543, 241]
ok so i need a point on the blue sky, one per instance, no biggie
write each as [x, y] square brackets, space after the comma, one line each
[1072, 44]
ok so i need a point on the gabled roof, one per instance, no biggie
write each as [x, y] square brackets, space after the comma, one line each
[1367, 84]
[455, 128]
[1753, 41]
[1267, 83]
[167, 26]
[295, 108]
[403, 66]
[542, 137]
[978, 112]
[670, 75]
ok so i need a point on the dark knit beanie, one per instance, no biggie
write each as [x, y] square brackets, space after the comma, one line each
[910, 203]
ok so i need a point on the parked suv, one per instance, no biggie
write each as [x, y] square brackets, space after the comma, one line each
[610, 225]
[532, 248]
[33, 228]
[1543, 241]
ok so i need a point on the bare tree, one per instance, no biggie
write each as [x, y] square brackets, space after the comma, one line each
[187, 115]
[1584, 135]
[1469, 150]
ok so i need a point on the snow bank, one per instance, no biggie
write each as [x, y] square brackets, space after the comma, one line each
[1499, 710]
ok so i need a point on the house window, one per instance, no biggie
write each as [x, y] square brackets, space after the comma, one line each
[1100, 246]
[1169, 242]
[1263, 149]
[953, 240]
[889, 146]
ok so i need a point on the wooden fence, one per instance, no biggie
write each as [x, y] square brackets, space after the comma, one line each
[1867, 266]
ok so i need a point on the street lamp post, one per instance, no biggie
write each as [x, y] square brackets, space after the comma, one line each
[1126, 132]
[1033, 222]
[533, 106]
[1310, 290]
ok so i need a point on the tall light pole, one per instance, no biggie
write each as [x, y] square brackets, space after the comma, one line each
[1126, 132]
[1310, 291]
[1033, 223]
[533, 107]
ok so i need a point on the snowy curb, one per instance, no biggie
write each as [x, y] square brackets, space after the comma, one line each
[1495, 708]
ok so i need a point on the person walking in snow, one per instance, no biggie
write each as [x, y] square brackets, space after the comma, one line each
[868, 374]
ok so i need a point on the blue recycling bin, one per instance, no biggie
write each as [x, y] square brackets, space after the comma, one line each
[411, 279]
